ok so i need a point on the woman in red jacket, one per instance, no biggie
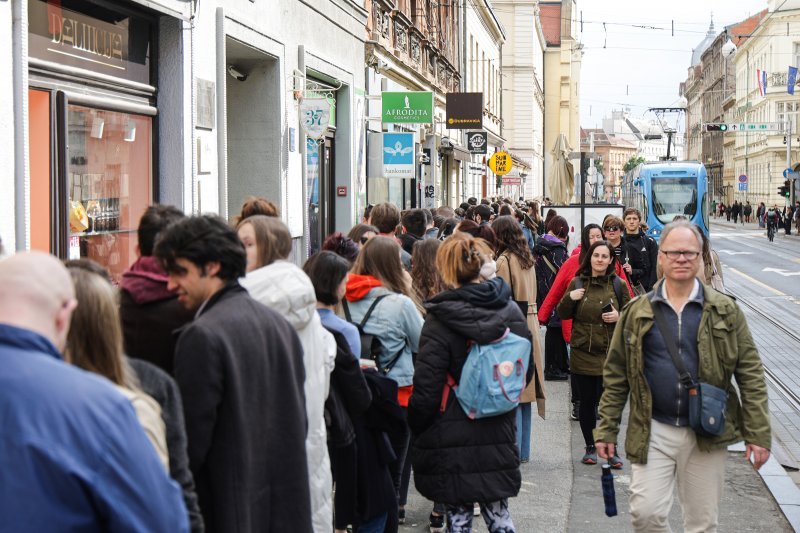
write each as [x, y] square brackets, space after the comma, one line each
[590, 234]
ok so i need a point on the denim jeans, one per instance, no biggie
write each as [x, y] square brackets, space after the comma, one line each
[524, 431]
[376, 525]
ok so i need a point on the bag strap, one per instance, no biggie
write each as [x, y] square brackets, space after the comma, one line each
[550, 265]
[390, 365]
[617, 283]
[685, 376]
[366, 316]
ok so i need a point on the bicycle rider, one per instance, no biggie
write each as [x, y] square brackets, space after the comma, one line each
[773, 217]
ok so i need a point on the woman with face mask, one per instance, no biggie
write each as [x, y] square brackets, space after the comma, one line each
[593, 301]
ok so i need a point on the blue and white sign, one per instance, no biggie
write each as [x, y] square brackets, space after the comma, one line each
[742, 186]
[398, 155]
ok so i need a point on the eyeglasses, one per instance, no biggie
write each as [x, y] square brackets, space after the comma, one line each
[673, 255]
[612, 228]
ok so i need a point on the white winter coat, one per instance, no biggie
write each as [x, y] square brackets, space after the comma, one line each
[285, 288]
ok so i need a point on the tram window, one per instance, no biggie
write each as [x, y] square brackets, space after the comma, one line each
[673, 197]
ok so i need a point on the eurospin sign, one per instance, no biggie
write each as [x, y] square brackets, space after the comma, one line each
[408, 107]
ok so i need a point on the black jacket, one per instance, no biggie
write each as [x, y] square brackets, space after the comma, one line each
[163, 389]
[349, 395]
[457, 460]
[556, 254]
[641, 252]
[239, 367]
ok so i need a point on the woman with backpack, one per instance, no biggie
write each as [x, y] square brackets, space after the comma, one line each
[515, 266]
[459, 460]
[380, 289]
[549, 254]
[593, 301]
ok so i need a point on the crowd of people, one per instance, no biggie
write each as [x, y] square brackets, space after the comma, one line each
[772, 218]
[222, 387]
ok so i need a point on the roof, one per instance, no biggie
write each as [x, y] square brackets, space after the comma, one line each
[550, 17]
[697, 52]
[741, 31]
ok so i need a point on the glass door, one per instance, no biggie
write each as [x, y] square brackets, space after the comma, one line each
[319, 191]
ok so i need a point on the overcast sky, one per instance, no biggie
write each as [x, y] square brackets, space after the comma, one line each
[642, 67]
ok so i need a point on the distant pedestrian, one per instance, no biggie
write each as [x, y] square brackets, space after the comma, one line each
[97, 470]
[748, 211]
[788, 216]
[282, 286]
[239, 366]
[713, 341]
[728, 211]
[457, 459]
[641, 252]
[760, 212]
[735, 211]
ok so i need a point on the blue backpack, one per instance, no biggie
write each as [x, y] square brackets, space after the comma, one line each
[493, 377]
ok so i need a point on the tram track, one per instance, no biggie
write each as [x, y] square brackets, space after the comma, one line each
[792, 397]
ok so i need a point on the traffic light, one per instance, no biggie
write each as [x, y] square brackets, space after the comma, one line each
[784, 189]
[717, 127]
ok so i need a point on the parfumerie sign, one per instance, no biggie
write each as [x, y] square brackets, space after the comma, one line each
[409, 107]
[67, 37]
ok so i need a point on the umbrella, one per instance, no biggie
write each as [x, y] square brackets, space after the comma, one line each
[562, 177]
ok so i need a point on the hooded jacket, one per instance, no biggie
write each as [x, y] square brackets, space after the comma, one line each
[641, 252]
[284, 288]
[455, 459]
[395, 322]
[150, 314]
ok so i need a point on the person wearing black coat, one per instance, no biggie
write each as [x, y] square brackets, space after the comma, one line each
[457, 460]
[239, 367]
[158, 385]
[550, 252]
[641, 251]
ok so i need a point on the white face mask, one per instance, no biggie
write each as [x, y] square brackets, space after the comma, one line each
[489, 270]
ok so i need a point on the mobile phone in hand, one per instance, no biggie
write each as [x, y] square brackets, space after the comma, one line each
[607, 308]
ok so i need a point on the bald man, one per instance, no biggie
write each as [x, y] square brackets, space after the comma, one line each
[74, 456]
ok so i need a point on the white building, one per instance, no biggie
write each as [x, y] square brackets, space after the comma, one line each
[194, 104]
[523, 88]
[762, 157]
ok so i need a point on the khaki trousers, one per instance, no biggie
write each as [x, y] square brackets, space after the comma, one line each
[673, 456]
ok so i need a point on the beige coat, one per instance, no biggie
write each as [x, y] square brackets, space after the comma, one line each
[523, 285]
[149, 414]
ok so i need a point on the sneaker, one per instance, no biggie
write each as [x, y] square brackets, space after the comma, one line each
[401, 516]
[437, 523]
[574, 414]
[615, 462]
[590, 457]
[476, 509]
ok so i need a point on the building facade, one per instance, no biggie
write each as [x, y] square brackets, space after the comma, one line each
[192, 104]
[762, 157]
[562, 68]
[523, 89]
[614, 152]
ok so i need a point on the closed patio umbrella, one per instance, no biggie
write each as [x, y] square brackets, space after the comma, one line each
[562, 178]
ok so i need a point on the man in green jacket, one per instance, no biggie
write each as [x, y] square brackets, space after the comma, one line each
[715, 344]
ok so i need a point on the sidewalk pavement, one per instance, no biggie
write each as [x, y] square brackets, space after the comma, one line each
[561, 494]
[746, 226]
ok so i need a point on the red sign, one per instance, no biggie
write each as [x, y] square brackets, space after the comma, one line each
[512, 181]
[341, 190]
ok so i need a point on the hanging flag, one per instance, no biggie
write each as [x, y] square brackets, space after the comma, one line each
[762, 82]
[791, 80]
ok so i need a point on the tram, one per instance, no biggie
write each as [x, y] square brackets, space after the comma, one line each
[665, 189]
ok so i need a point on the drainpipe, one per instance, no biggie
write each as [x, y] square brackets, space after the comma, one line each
[222, 119]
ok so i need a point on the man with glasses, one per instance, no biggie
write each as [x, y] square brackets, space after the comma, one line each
[714, 343]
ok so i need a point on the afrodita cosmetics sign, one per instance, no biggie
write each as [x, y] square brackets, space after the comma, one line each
[398, 155]
[409, 107]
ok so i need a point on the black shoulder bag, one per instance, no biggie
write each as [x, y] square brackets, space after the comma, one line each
[371, 347]
[707, 403]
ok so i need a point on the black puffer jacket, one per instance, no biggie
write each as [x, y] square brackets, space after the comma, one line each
[457, 460]
[641, 252]
[548, 253]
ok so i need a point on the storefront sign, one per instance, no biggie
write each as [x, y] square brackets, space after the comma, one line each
[500, 163]
[398, 155]
[410, 107]
[315, 115]
[114, 44]
[477, 142]
[464, 111]
[512, 181]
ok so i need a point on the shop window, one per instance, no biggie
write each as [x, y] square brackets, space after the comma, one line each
[109, 184]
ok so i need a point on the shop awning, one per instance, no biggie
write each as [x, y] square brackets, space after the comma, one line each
[461, 155]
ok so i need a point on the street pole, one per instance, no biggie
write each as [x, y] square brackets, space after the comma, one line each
[591, 162]
[789, 156]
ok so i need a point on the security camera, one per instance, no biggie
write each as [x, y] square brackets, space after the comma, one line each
[236, 74]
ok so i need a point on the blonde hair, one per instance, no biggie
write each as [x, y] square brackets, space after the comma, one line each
[94, 342]
[460, 258]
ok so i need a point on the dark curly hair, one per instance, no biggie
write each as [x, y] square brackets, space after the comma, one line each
[341, 245]
[511, 239]
[201, 240]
